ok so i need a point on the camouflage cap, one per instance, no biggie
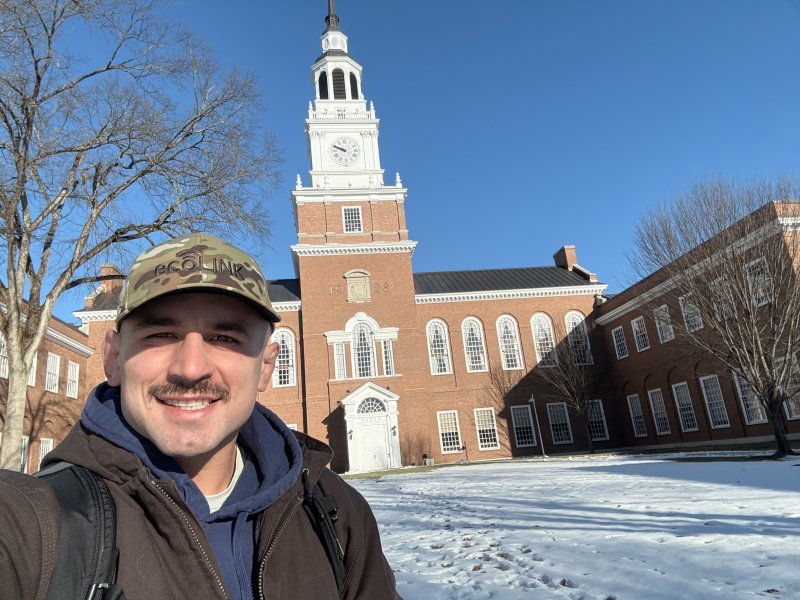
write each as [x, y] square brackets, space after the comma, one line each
[198, 262]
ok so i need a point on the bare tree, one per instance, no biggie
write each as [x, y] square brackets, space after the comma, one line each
[568, 374]
[138, 136]
[726, 257]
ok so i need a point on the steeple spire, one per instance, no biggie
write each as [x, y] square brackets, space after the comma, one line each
[332, 21]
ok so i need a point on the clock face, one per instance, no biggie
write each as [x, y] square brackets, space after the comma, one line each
[345, 151]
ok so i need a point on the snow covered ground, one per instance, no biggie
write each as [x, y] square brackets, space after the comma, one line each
[593, 528]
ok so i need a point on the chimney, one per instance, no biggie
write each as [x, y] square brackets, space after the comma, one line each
[111, 284]
[566, 257]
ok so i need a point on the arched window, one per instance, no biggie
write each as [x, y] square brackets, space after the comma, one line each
[508, 337]
[323, 86]
[370, 405]
[543, 340]
[439, 348]
[578, 338]
[363, 350]
[353, 87]
[284, 374]
[474, 349]
[339, 90]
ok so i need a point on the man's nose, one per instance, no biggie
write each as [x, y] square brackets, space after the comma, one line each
[190, 363]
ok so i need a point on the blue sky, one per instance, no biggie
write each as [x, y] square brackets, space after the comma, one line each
[523, 125]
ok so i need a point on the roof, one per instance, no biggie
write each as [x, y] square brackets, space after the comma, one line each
[522, 278]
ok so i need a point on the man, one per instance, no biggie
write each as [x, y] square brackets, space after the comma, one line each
[208, 484]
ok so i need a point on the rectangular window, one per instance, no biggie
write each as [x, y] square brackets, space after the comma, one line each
[45, 446]
[521, 420]
[597, 421]
[754, 412]
[3, 358]
[559, 423]
[663, 324]
[691, 314]
[637, 416]
[715, 403]
[486, 426]
[759, 281]
[683, 400]
[53, 367]
[659, 411]
[640, 334]
[351, 215]
[339, 361]
[32, 372]
[23, 464]
[620, 346]
[724, 307]
[73, 371]
[449, 433]
[388, 357]
[792, 390]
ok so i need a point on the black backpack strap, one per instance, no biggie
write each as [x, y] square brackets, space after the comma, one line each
[321, 509]
[87, 544]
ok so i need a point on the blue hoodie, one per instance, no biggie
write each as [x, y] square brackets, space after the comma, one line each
[273, 459]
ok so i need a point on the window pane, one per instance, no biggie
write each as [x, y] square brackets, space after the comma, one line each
[474, 350]
[559, 423]
[620, 346]
[578, 339]
[683, 400]
[659, 412]
[524, 434]
[438, 348]
[663, 324]
[640, 334]
[508, 337]
[714, 402]
[637, 416]
[597, 421]
[352, 219]
[449, 433]
[363, 351]
[487, 429]
[753, 409]
[284, 374]
[543, 340]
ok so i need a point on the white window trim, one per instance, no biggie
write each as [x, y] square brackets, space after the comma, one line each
[73, 379]
[45, 446]
[620, 345]
[640, 337]
[708, 405]
[517, 344]
[580, 326]
[339, 361]
[634, 417]
[750, 282]
[686, 303]
[25, 459]
[481, 446]
[663, 324]
[516, 410]
[32, 372]
[360, 219]
[553, 358]
[599, 403]
[289, 339]
[447, 348]
[560, 405]
[650, 396]
[439, 415]
[740, 383]
[387, 356]
[684, 427]
[482, 340]
[52, 375]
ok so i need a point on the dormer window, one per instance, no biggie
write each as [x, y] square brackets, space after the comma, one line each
[323, 86]
[353, 87]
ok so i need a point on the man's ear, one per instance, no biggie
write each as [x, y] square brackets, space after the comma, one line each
[270, 357]
[111, 364]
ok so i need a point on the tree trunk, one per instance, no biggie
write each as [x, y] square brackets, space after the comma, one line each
[779, 430]
[588, 432]
[11, 451]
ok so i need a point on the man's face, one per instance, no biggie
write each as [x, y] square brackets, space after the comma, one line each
[190, 366]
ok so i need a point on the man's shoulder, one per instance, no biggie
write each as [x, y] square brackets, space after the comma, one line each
[29, 526]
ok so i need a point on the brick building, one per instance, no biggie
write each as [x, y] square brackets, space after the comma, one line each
[392, 366]
[56, 390]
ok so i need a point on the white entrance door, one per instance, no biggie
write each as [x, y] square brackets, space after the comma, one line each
[373, 444]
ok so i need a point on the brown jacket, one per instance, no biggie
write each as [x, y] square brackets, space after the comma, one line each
[164, 553]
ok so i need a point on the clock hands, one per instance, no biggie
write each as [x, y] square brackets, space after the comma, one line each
[339, 148]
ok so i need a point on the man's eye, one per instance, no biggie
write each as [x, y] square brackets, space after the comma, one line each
[161, 334]
[223, 339]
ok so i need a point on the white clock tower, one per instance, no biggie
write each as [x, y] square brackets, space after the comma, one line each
[353, 260]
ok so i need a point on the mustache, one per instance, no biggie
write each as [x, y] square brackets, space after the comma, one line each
[201, 388]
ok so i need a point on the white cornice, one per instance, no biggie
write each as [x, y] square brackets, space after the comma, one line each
[343, 249]
[379, 194]
[87, 316]
[294, 306]
[583, 290]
